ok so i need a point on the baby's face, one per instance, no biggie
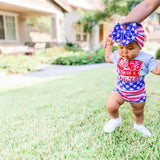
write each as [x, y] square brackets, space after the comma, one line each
[129, 51]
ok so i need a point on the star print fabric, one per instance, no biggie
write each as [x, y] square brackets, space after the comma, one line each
[133, 92]
[131, 33]
[130, 75]
[130, 85]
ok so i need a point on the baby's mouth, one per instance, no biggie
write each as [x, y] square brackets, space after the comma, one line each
[126, 57]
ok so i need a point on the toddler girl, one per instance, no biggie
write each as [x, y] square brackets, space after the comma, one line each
[131, 67]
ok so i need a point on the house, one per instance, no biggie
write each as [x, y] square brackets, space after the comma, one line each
[62, 14]
[14, 15]
[74, 32]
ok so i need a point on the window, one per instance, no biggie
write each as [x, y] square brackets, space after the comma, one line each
[84, 37]
[1, 28]
[7, 28]
[10, 28]
[80, 36]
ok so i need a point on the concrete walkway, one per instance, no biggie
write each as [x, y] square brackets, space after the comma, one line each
[49, 71]
[57, 70]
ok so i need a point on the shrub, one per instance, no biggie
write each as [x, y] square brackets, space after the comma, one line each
[50, 54]
[72, 47]
[18, 64]
[157, 54]
[82, 58]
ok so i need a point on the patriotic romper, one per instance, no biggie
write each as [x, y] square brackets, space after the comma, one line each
[130, 75]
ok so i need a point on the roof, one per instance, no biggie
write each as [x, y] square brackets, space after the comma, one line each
[92, 5]
[63, 4]
[31, 8]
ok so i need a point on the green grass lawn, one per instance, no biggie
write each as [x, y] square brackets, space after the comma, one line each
[63, 119]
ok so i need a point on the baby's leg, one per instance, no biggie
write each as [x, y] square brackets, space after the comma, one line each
[113, 104]
[138, 110]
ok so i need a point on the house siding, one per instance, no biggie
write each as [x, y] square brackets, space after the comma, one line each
[70, 19]
[29, 8]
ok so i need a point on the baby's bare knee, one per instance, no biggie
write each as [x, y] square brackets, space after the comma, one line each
[138, 113]
[111, 107]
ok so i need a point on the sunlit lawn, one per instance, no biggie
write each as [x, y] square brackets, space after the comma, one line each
[64, 118]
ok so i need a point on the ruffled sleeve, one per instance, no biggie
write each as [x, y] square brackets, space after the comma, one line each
[114, 57]
[152, 64]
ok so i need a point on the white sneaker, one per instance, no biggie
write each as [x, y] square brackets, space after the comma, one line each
[112, 125]
[141, 128]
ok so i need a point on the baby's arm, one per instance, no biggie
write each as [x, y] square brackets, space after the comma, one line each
[156, 70]
[109, 48]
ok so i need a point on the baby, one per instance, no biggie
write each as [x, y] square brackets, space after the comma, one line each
[131, 67]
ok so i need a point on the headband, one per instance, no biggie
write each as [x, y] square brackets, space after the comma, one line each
[131, 33]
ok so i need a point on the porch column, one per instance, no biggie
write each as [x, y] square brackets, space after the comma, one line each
[57, 28]
[94, 38]
[54, 29]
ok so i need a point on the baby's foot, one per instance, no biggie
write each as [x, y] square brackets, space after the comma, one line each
[112, 125]
[141, 128]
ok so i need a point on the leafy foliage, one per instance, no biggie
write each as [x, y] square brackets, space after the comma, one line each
[66, 55]
[18, 64]
[89, 19]
[121, 7]
[82, 58]
[72, 47]
[158, 54]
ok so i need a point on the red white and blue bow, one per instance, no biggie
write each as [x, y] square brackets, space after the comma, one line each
[131, 33]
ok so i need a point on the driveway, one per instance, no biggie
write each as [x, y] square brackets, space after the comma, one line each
[47, 72]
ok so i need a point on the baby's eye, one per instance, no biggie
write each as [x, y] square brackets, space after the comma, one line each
[130, 48]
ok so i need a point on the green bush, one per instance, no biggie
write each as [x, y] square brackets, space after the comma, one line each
[72, 47]
[82, 58]
[18, 64]
[56, 55]
[50, 54]
[158, 54]
[71, 55]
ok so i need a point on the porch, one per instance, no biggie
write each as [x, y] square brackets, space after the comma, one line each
[14, 32]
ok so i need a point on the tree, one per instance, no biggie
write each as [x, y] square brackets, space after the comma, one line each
[90, 19]
[121, 7]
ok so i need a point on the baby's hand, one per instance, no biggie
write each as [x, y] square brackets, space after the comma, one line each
[109, 41]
